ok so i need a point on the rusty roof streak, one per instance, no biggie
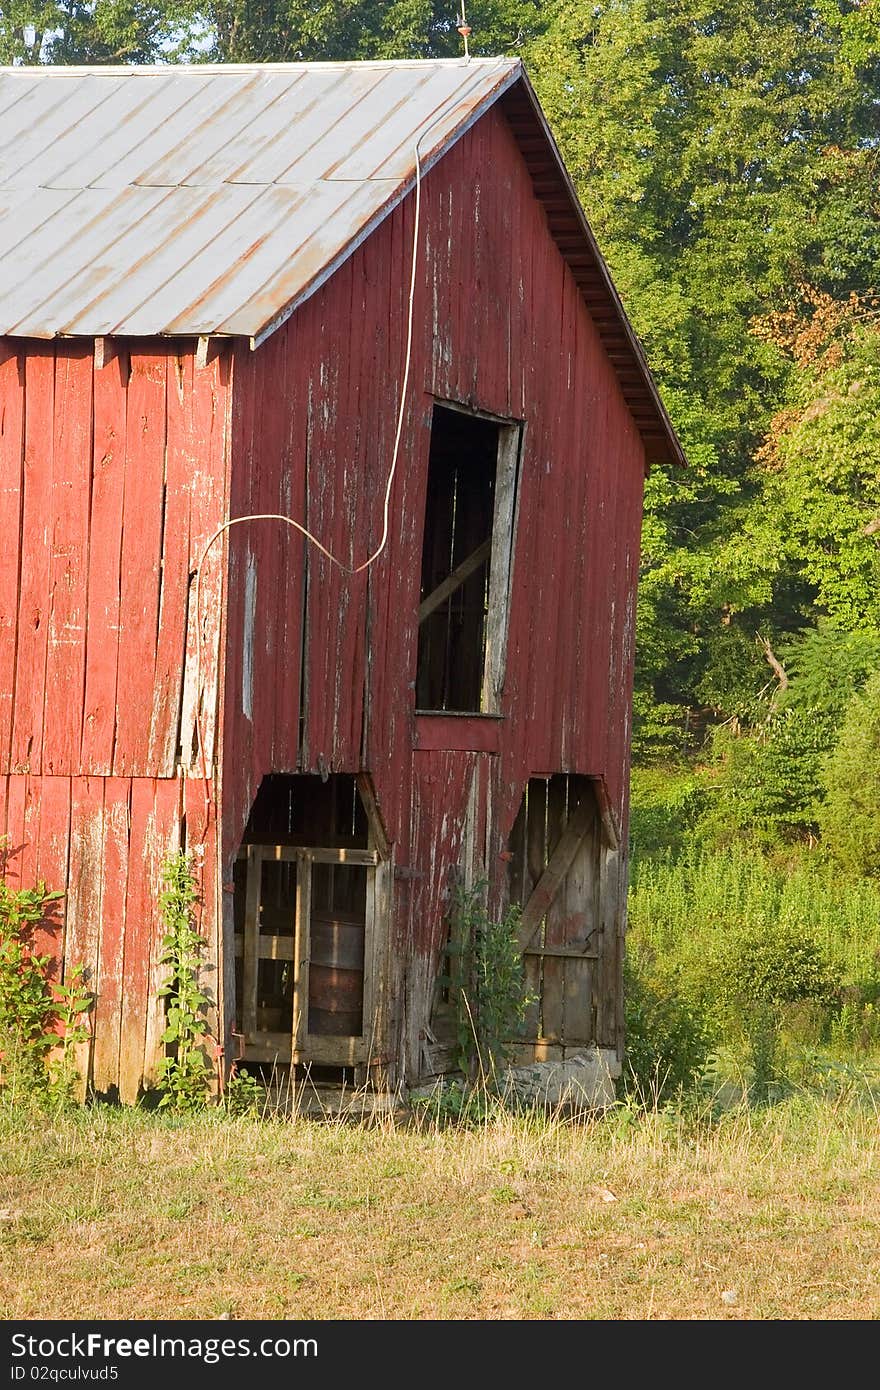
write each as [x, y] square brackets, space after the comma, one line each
[175, 200]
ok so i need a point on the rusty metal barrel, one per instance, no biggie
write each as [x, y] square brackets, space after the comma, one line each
[336, 973]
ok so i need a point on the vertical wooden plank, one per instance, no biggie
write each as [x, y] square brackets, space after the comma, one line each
[558, 811]
[163, 841]
[567, 444]
[12, 413]
[84, 904]
[581, 917]
[218, 930]
[68, 573]
[208, 510]
[141, 554]
[53, 794]
[528, 864]
[251, 962]
[536, 861]
[16, 800]
[174, 587]
[105, 555]
[140, 919]
[111, 947]
[33, 611]
[302, 952]
[609, 985]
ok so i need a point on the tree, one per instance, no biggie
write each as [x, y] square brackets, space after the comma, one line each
[309, 30]
[99, 31]
[725, 153]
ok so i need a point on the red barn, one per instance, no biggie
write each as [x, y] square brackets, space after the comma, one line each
[361, 296]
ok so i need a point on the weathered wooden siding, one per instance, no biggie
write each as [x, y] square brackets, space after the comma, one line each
[111, 478]
[330, 659]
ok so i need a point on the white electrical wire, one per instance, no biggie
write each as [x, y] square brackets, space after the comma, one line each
[288, 520]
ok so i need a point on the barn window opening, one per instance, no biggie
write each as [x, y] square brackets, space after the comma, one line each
[309, 909]
[466, 562]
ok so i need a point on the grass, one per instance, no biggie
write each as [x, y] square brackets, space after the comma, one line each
[707, 890]
[753, 1214]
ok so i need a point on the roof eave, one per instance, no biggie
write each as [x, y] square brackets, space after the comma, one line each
[565, 216]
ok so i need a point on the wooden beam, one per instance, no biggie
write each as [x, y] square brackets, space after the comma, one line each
[105, 351]
[548, 884]
[562, 952]
[302, 951]
[607, 814]
[454, 580]
[251, 940]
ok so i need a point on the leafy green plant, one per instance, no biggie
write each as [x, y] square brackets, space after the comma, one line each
[669, 1037]
[73, 1000]
[185, 1073]
[244, 1094]
[850, 815]
[486, 983]
[28, 1009]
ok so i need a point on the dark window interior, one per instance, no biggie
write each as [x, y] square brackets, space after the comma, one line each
[309, 811]
[456, 555]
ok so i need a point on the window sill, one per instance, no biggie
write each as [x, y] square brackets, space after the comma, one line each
[447, 731]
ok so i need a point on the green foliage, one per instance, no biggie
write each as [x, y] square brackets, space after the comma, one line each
[94, 31]
[486, 983]
[669, 1037]
[73, 1001]
[725, 153]
[850, 816]
[185, 1073]
[765, 785]
[666, 803]
[27, 1007]
[244, 1093]
[822, 491]
[775, 959]
[828, 664]
[37, 1016]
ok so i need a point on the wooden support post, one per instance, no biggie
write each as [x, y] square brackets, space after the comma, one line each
[301, 951]
[250, 978]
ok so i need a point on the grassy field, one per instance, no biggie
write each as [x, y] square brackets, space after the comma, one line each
[761, 1213]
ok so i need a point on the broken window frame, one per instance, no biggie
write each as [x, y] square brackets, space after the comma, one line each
[501, 542]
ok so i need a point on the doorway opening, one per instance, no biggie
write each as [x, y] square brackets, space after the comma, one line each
[311, 908]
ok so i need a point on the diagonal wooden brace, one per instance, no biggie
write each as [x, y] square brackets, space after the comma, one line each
[454, 580]
[560, 862]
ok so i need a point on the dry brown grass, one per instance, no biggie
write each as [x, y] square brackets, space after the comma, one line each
[111, 1214]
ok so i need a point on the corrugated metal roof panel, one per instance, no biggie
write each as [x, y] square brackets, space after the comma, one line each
[204, 200]
[213, 200]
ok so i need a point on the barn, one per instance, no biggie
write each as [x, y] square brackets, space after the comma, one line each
[323, 435]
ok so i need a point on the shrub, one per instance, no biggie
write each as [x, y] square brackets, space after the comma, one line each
[486, 982]
[185, 1074]
[669, 1035]
[766, 784]
[850, 816]
[37, 1016]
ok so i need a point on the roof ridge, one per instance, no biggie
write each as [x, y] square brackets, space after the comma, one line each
[166, 69]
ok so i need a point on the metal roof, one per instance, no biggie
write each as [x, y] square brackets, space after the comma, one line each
[202, 200]
[211, 200]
